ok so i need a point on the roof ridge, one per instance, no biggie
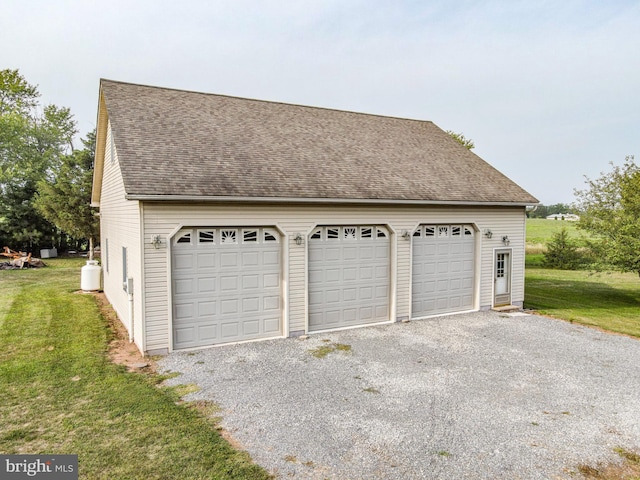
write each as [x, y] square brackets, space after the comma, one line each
[270, 102]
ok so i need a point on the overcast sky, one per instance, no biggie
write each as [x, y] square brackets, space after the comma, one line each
[549, 91]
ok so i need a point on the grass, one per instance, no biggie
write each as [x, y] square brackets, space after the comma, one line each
[323, 350]
[60, 393]
[540, 230]
[610, 301]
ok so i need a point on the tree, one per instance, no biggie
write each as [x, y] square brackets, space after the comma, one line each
[64, 200]
[462, 140]
[33, 140]
[542, 211]
[610, 211]
[562, 253]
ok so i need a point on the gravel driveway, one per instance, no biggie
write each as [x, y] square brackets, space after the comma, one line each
[481, 395]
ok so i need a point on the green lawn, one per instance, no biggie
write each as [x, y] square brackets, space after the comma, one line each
[60, 394]
[607, 300]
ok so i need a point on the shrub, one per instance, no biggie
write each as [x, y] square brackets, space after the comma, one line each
[562, 253]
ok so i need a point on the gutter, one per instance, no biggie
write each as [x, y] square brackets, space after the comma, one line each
[213, 198]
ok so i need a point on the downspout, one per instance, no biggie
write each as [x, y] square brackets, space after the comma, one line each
[130, 295]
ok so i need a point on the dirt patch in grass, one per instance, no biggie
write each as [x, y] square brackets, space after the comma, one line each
[121, 350]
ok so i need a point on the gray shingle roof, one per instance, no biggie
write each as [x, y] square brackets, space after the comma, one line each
[179, 143]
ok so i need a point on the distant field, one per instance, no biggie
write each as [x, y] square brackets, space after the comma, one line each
[540, 230]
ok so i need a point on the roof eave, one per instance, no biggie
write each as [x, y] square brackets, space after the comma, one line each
[101, 140]
[226, 199]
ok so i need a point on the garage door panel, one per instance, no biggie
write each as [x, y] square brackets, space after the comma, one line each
[271, 258]
[350, 254]
[207, 308]
[271, 280]
[205, 261]
[229, 306]
[382, 273]
[229, 283]
[350, 294]
[250, 259]
[251, 327]
[367, 252]
[208, 332]
[366, 293]
[226, 289]
[250, 305]
[250, 281]
[331, 275]
[206, 285]
[229, 260]
[350, 273]
[382, 294]
[229, 331]
[269, 304]
[331, 254]
[185, 334]
[183, 261]
[184, 287]
[366, 313]
[442, 269]
[332, 296]
[366, 273]
[185, 310]
[316, 298]
[348, 277]
[272, 326]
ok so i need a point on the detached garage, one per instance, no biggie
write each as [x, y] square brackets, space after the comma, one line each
[227, 220]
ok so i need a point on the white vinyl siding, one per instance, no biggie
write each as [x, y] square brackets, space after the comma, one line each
[120, 224]
[165, 219]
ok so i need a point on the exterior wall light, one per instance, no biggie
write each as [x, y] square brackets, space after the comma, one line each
[406, 235]
[488, 233]
[156, 241]
[298, 238]
[506, 240]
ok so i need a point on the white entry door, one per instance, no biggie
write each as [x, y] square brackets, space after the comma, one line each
[502, 272]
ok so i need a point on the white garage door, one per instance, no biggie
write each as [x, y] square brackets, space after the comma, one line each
[226, 285]
[443, 269]
[348, 276]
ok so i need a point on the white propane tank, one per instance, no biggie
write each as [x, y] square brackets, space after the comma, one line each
[90, 276]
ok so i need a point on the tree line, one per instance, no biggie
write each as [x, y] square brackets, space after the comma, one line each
[45, 182]
[543, 211]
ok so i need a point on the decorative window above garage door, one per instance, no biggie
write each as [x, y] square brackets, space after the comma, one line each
[225, 236]
[349, 232]
[444, 231]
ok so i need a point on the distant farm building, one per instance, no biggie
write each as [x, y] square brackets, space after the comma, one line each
[570, 217]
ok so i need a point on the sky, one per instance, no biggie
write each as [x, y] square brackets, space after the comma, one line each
[548, 91]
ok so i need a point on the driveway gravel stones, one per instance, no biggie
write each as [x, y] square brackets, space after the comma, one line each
[470, 396]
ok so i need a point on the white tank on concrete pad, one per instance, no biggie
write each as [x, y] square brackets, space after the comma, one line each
[90, 276]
